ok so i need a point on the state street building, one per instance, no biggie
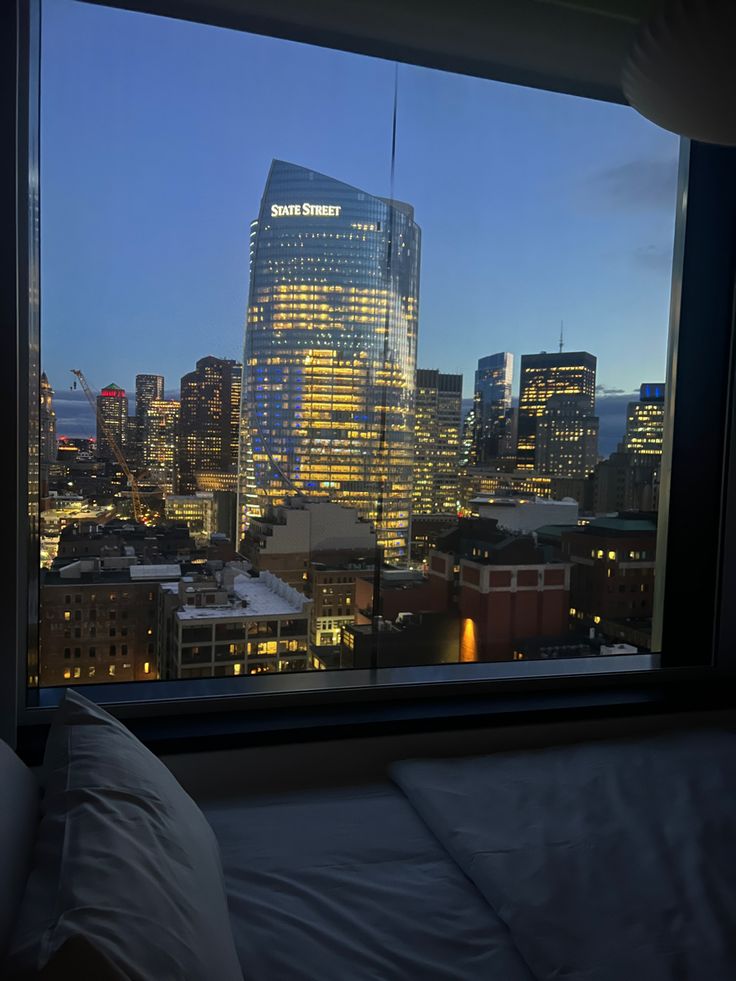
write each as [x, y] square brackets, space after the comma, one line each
[330, 351]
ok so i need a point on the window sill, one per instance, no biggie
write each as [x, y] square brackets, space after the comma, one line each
[213, 714]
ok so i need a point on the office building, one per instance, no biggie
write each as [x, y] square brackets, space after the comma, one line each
[231, 624]
[197, 511]
[569, 373]
[99, 621]
[491, 406]
[567, 437]
[437, 446]
[148, 388]
[645, 424]
[330, 351]
[159, 442]
[209, 416]
[288, 537]
[47, 423]
[625, 482]
[112, 406]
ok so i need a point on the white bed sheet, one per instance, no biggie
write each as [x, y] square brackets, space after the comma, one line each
[349, 885]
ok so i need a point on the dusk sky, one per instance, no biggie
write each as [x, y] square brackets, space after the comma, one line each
[156, 139]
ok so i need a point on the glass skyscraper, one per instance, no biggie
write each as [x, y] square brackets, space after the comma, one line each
[569, 373]
[330, 351]
[491, 404]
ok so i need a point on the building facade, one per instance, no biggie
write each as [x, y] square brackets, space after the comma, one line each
[232, 625]
[330, 351]
[112, 406]
[569, 373]
[209, 417]
[47, 423]
[645, 424]
[197, 511]
[567, 437]
[148, 388]
[287, 538]
[99, 623]
[437, 447]
[613, 568]
[159, 443]
[491, 408]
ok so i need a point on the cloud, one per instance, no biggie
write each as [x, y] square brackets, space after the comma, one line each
[602, 390]
[611, 411]
[656, 257]
[74, 415]
[637, 184]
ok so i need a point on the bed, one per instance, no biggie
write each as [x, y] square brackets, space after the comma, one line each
[608, 861]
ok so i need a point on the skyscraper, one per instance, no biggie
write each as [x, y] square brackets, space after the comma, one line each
[570, 373]
[208, 426]
[645, 423]
[47, 422]
[330, 351]
[437, 448]
[567, 437]
[147, 388]
[112, 405]
[159, 448]
[491, 403]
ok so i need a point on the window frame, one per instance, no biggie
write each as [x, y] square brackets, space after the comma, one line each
[703, 283]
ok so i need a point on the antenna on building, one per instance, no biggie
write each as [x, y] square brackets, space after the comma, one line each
[562, 335]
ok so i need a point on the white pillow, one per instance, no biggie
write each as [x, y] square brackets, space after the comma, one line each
[124, 859]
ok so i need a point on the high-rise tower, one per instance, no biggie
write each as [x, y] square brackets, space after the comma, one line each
[570, 373]
[645, 423]
[437, 451]
[491, 403]
[47, 422]
[112, 406]
[148, 388]
[159, 451]
[567, 437]
[209, 416]
[330, 351]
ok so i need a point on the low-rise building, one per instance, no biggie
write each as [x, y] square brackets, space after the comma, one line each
[98, 621]
[525, 514]
[230, 623]
[504, 587]
[613, 567]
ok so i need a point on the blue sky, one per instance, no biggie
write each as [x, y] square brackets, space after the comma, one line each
[156, 140]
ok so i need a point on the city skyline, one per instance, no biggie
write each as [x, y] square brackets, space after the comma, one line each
[75, 419]
[590, 229]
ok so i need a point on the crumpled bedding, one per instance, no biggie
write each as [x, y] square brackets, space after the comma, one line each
[608, 861]
[350, 885]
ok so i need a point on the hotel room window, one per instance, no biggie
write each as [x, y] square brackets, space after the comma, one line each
[440, 437]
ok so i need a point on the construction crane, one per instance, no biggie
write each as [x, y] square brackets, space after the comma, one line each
[114, 446]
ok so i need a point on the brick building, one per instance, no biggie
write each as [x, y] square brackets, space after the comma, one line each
[98, 622]
[613, 570]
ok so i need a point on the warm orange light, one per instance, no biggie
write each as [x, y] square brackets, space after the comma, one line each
[468, 641]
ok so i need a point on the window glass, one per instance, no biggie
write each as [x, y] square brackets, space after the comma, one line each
[343, 363]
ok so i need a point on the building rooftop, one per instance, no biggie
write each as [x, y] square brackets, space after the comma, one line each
[617, 525]
[141, 572]
[265, 596]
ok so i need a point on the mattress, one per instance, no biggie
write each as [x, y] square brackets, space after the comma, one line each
[350, 885]
[601, 862]
[611, 861]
